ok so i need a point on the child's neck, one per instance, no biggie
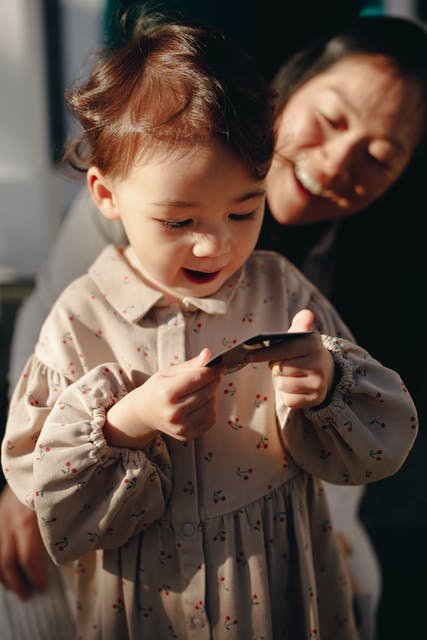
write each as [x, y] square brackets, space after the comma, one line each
[170, 296]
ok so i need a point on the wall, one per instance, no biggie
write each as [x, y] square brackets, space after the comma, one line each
[33, 194]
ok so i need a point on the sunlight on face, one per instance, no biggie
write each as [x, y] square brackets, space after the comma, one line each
[192, 220]
[344, 138]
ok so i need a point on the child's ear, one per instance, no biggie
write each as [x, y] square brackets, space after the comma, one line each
[102, 193]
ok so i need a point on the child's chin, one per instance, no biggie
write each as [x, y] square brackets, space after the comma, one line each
[202, 290]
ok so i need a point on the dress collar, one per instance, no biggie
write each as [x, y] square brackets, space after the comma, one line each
[132, 298]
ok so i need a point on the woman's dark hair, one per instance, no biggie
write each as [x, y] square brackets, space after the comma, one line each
[402, 41]
[171, 86]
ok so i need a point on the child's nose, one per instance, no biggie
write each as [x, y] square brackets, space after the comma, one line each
[211, 245]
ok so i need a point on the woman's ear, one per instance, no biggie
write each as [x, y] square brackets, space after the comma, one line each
[102, 193]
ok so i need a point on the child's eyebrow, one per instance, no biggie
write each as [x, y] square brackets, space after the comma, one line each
[174, 203]
[188, 203]
[250, 194]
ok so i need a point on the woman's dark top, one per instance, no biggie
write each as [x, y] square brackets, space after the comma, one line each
[377, 276]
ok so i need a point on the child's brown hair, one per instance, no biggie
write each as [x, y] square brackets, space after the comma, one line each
[171, 86]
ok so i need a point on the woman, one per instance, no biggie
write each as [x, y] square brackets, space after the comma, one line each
[340, 147]
[351, 117]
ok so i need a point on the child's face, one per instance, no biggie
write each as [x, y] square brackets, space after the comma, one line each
[192, 220]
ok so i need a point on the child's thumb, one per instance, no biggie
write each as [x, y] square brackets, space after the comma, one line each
[302, 321]
[201, 359]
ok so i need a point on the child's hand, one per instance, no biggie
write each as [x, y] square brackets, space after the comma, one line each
[178, 401]
[303, 369]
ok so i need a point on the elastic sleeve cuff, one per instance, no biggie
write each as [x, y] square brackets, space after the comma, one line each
[344, 381]
[102, 451]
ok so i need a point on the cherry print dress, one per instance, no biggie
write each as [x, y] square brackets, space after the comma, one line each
[225, 537]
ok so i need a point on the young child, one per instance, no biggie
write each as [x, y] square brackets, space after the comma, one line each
[185, 497]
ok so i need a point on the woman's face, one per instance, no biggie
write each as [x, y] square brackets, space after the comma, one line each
[344, 137]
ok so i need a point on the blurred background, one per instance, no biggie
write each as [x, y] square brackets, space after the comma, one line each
[44, 47]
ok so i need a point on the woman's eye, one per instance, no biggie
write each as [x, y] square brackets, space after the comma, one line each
[241, 217]
[382, 164]
[176, 224]
[335, 123]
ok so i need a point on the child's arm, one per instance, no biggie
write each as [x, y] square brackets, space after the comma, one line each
[56, 459]
[352, 422]
[90, 493]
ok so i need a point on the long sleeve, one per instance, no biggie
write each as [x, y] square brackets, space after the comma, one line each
[89, 495]
[367, 428]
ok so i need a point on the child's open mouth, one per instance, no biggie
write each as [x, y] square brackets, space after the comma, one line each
[200, 276]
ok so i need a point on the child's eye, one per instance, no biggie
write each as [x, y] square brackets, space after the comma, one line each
[240, 217]
[176, 224]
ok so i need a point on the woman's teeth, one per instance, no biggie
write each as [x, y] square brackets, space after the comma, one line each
[316, 189]
[308, 182]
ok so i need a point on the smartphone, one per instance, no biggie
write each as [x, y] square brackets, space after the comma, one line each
[237, 357]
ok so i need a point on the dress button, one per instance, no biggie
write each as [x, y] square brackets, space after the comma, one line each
[171, 320]
[187, 529]
[199, 623]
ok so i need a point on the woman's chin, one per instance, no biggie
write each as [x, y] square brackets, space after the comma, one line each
[292, 217]
[300, 215]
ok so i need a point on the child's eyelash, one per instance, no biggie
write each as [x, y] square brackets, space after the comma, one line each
[181, 224]
[240, 217]
[175, 224]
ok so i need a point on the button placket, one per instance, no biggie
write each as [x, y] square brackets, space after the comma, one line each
[188, 529]
[171, 349]
[198, 622]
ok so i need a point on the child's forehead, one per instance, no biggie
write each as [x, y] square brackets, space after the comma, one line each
[160, 152]
[204, 173]
[192, 157]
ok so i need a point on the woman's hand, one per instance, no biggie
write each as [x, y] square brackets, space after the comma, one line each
[22, 552]
[178, 401]
[303, 369]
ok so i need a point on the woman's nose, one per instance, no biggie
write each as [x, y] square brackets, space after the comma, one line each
[338, 158]
[211, 245]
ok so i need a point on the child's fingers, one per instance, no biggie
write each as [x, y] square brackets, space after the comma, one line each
[192, 401]
[283, 369]
[196, 422]
[312, 383]
[302, 321]
[301, 347]
[301, 388]
[203, 418]
[191, 375]
[193, 365]
[300, 400]
[200, 360]
[186, 380]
